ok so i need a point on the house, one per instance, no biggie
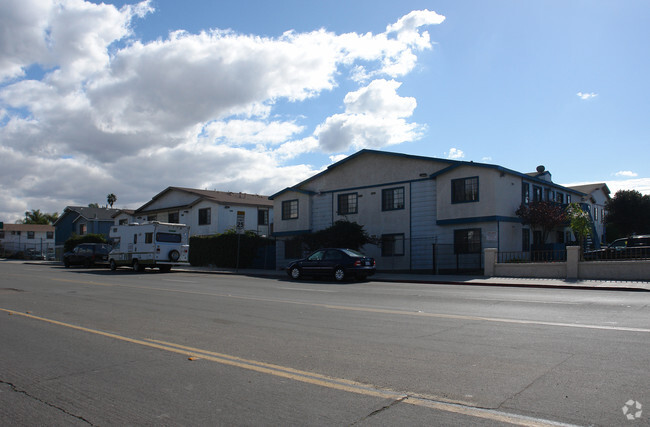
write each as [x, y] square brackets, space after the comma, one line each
[209, 212]
[35, 239]
[81, 220]
[427, 214]
[595, 197]
[124, 216]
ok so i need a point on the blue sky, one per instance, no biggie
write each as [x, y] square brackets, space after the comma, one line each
[129, 98]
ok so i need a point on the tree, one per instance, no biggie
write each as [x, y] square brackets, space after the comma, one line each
[111, 198]
[93, 205]
[343, 234]
[35, 216]
[628, 212]
[580, 222]
[542, 215]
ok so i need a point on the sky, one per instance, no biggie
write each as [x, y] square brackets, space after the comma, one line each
[255, 96]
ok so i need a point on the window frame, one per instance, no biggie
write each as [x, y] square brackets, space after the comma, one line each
[525, 193]
[348, 210]
[174, 217]
[288, 210]
[262, 217]
[466, 194]
[394, 204]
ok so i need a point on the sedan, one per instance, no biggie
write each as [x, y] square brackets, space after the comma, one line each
[338, 263]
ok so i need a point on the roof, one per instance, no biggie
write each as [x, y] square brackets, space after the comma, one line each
[220, 197]
[28, 227]
[452, 165]
[590, 188]
[88, 213]
[123, 211]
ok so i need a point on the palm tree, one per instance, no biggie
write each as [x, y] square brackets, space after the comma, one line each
[35, 216]
[111, 198]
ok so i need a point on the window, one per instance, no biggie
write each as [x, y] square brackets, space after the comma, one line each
[467, 241]
[347, 203]
[123, 221]
[172, 217]
[392, 244]
[392, 199]
[152, 217]
[135, 239]
[595, 214]
[525, 240]
[559, 197]
[537, 193]
[205, 216]
[30, 235]
[464, 190]
[263, 217]
[525, 193]
[290, 209]
[548, 195]
[82, 229]
[168, 238]
[148, 237]
[568, 198]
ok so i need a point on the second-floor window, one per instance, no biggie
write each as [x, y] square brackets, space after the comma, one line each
[464, 190]
[537, 193]
[392, 199]
[173, 218]
[525, 193]
[290, 209]
[204, 216]
[347, 203]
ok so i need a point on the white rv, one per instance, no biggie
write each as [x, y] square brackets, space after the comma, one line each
[152, 244]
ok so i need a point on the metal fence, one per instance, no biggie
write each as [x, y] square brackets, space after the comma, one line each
[558, 255]
[27, 250]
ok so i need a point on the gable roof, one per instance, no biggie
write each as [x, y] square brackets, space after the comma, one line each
[452, 165]
[88, 213]
[220, 197]
[590, 188]
[28, 227]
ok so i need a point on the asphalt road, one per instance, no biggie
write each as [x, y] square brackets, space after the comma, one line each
[90, 346]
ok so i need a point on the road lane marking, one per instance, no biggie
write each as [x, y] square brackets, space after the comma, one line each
[379, 310]
[341, 384]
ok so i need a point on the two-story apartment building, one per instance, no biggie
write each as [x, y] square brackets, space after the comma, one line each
[29, 239]
[417, 208]
[81, 220]
[208, 212]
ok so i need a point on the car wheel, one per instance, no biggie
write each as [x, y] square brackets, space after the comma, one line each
[112, 265]
[136, 266]
[174, 255]
[295, 273]
[339, 274]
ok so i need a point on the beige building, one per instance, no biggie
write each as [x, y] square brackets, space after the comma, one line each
[427, 214]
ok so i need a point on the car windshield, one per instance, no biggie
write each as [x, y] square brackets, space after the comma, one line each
[353, 253]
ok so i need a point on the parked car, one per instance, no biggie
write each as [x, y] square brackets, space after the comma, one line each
[87, 254]
[335, 262]
[34, 254]
[627, 248]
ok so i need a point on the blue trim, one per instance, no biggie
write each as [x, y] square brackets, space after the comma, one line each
[290, 233]
[296, 190]
[476, 219]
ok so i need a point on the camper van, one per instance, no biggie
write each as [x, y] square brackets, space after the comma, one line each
[152, 244]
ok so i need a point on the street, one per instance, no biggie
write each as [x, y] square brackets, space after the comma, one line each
[95, 347]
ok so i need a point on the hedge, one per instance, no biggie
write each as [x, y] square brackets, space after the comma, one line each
[75, 240]
[221, 250]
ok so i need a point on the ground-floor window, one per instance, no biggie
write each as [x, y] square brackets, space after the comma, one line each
[467, 241]
[392, 244]
[525, 240]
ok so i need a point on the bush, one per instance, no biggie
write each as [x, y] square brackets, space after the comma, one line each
[75, 240]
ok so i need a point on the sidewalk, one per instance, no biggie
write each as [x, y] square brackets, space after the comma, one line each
[453, 279]
[521, 282]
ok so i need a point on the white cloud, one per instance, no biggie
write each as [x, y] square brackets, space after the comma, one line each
[338, 158]
[375, 116]
[455, 154]
[585, 96]
[626, 174]
[198, 110]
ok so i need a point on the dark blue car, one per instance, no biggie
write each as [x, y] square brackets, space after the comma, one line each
[338, 263]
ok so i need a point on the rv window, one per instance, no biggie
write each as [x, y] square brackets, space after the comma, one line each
[135, 238]
[148, 237]
[168, 238]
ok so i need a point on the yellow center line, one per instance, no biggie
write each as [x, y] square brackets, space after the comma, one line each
[428, 401]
